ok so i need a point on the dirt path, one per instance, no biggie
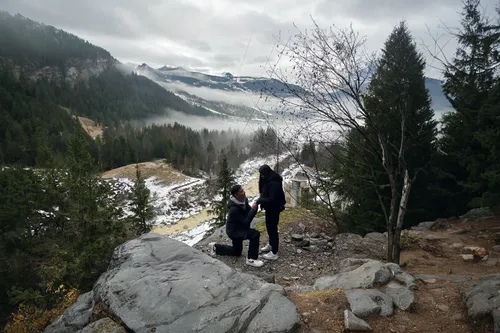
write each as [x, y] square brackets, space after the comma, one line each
[251, 189]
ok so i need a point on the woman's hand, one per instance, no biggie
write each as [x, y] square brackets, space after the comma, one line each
[255, 206]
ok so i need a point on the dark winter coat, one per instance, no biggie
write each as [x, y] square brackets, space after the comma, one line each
[272, 197]
[239, 218]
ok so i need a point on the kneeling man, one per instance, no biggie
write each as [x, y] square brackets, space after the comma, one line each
[239, 217]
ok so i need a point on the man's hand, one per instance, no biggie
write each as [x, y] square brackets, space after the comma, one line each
[254, 206]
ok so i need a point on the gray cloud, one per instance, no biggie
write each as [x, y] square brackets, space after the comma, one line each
[213, 35]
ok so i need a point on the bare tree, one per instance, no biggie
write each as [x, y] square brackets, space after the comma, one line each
[327, 83]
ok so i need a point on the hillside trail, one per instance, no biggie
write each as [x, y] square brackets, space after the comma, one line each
[431, 256]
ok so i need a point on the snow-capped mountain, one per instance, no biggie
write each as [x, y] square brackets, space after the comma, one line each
[230, 95]
[226, 82]
[224, 95]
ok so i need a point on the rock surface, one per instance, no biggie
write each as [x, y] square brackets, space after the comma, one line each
[483, 299]
[355, 324]
[475, 213]
[75, 317]
[364, 273]
[372, 246]
[366, 302]
[402, 296]
[157, 284]
[104, 325]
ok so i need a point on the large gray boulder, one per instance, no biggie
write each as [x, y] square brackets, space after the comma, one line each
[157, 284]
[483, 299]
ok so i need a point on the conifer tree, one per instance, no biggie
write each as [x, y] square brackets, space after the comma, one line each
[211, 155]
[469, 82]
[141, 205]
[384, 158]
[225, 180]
[91, 214]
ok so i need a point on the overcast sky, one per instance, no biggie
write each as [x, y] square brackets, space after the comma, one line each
[212, 35]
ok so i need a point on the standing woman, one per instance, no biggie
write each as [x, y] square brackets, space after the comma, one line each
[272, 200]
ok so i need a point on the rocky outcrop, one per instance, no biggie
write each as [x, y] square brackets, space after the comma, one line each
[483, 300]
[478, 213]
[365, 273]
[157, 284]
[372, 246]
[360, 278]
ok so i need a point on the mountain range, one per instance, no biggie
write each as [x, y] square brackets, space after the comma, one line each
[215, 92]
[43, 53]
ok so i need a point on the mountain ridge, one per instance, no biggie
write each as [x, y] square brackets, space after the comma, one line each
[39, 52]
[178, 76]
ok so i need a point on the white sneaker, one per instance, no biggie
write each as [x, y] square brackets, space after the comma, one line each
[211, 249]
[255, 262]
[270, 256]
[266, 248]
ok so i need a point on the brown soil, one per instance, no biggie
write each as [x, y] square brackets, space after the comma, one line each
[321, 309]
[439, 302]
[160, 169]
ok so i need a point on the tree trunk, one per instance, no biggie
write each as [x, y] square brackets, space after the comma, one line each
[389, 243]
[392, 221]
[405, 194]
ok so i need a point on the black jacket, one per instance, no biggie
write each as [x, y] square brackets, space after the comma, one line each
[272, 196]
[239, 218]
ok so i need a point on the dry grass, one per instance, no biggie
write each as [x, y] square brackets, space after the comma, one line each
[290, 219]
[160, 169]
[91, 127]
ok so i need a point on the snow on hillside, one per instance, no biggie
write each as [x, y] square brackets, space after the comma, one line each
[181, 200]
[246, 172]
[171, 202]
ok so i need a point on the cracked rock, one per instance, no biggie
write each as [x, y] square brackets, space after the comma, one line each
[158, 284]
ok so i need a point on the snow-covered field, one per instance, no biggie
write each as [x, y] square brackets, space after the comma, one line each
[171, 202]
[178, 201]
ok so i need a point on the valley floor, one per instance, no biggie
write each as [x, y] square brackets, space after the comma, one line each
[434, 258]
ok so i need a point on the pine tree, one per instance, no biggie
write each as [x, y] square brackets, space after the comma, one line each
[225, 180]
[233, 155]
[211, 155]
[91, 213]
[141, 205]
[469, 80]
[396, 144]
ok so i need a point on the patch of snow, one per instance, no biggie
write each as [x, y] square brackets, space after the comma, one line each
[212, 110]
[299, 171]
[246, 172]
[181, 200]
[171, 202]
[193, 236]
